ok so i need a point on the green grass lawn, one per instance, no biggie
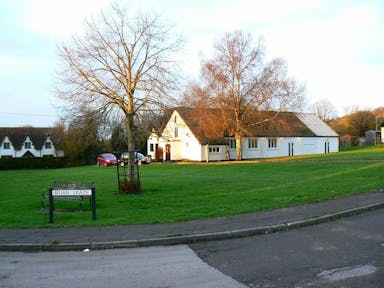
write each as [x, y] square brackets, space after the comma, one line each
[178, 192]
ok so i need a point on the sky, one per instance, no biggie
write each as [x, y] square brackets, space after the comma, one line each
[335, 48]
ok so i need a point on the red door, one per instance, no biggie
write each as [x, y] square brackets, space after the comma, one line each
[167, 152]
[159, 153]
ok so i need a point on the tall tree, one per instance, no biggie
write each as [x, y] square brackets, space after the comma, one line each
[240, 85]
[324, 110]
[120, 62]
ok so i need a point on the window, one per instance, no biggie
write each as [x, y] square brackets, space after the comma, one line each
[176, 132]
[48, 145]
[232, 143]
[27, 145]
[272, 143]
[252, 143]
[7, 145]
[151, 147]
[214, 149]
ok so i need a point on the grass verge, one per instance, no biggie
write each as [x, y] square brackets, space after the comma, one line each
[174, 192]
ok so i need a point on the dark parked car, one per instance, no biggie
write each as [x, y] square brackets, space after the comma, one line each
[106, 159]
[139, 158]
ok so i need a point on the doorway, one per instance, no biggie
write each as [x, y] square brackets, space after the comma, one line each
[167, 152]
[290, 148]
[159, 153]
[326, 147]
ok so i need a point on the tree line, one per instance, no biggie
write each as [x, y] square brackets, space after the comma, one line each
[91, 133]
[353, 126]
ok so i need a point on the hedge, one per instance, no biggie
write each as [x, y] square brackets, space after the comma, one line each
[33, 163]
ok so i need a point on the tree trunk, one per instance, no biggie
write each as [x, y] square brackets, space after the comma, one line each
[131, 183]
[239, 150]
[131, 147]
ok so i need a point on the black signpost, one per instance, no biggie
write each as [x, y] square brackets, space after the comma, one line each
[71, 192]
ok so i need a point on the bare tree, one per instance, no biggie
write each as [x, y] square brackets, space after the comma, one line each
[241, 85]
[120, 62]
[324, 110]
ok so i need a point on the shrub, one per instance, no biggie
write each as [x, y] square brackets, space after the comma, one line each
[33, 163]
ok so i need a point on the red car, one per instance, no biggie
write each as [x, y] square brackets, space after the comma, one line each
[106, 159]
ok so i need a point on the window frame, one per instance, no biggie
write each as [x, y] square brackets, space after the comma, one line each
[7, 145]
[27, 145]
[272, 143]
[253, 143]
[214, 149]
[231, 143]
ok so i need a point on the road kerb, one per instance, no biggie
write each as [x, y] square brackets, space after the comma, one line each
[192, 238]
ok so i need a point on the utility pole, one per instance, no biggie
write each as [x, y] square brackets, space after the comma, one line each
[375, 130]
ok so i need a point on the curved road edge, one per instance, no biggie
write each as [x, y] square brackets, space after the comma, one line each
[192, 238]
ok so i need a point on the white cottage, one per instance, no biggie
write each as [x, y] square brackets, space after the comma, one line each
[288, 134]
[30, 142]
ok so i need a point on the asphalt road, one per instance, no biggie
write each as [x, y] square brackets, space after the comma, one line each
[345, 253]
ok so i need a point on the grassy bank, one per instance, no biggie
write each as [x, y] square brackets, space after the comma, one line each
[176, 192]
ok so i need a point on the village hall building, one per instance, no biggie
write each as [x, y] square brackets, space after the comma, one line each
[17, 142]
[301, 134]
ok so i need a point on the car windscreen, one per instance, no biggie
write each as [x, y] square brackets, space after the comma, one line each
[109, 156]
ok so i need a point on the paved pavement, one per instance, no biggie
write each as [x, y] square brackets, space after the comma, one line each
[160, 267]
[58, 239]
